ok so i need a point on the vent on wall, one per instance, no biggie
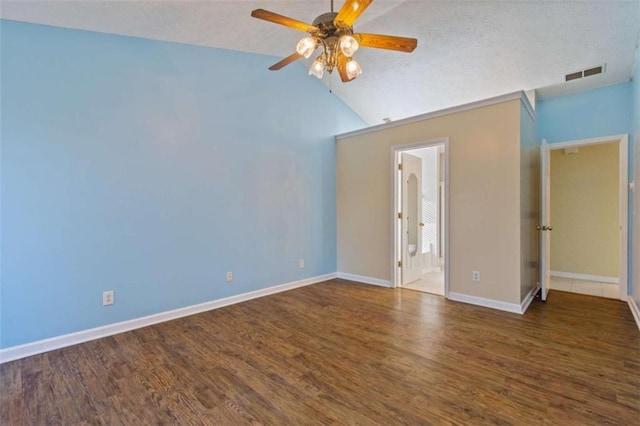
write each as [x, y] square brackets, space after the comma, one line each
[585, 73]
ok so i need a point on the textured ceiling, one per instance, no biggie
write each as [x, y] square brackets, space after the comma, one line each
[467, 50]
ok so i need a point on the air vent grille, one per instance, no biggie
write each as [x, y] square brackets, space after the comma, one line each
[593, 71]
[573, 76]
[585, 73]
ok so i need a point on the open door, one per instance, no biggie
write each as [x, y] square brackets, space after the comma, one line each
[545, 219]
[411, 218]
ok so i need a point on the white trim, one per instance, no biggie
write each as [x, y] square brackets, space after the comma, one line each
[394, 207]
[623, 149]
[623, 162]
[527, 105]
[634, 310]
[524, 305]
[585, 277]
[34, 348]
[460, 108]
[586, 142]
[515, 308]
[364, 280]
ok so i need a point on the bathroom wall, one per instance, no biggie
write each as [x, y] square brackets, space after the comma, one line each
[529, 202]
[484, 214]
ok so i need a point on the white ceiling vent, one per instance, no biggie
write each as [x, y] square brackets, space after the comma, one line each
[586, 72]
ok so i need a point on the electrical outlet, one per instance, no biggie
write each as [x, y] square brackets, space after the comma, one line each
[301, 263]
[475, 275]
[229, 276]
[108, 298]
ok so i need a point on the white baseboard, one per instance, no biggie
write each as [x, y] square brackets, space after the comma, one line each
[529, 298]
[585, 277]
[29, 349]
[634, 310]
[363, 279]
[516, 308]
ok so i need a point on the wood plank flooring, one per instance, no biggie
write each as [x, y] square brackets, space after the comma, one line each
[345, 353]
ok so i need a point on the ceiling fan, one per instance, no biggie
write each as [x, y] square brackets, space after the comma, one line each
[333, 33]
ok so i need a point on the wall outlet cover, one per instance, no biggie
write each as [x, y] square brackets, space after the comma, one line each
[108, 298]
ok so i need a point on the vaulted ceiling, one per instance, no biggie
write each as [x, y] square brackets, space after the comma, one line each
[467, 50]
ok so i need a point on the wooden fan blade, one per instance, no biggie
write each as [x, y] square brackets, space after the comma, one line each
[378, 41]
[283, 20]
[351, 10]
[342, 69]
[286, 61]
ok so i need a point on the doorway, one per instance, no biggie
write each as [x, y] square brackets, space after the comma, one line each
[420, 211]
[584, 226]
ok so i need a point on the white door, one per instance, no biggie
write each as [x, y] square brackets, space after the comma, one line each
[545, 220]
[411, 218]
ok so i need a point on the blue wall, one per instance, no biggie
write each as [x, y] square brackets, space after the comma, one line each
[600, 112]
[605, 111]
[636, 97]
[151, 169]
[635, 291]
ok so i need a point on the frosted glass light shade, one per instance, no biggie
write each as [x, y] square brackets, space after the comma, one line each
[317, 68]
[306, 46]
[348, 45]
[353, 69]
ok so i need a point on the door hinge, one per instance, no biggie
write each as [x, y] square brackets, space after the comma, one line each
[399, 166]
[399, 264]
[400, 215]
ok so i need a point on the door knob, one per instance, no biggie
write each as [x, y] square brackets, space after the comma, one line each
[421, 224]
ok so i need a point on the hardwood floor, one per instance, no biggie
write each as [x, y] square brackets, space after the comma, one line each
[347, 353]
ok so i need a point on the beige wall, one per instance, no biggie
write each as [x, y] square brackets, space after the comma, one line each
[529, 203]
[484, 215]
[585, 211]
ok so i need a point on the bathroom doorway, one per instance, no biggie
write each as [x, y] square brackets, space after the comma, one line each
[420, 211]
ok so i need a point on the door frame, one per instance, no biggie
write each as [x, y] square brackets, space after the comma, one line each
[395, 207]
[623, 183]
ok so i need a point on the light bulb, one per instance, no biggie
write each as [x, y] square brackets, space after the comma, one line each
[353, 69]
[348, 45]
[306, 46]
[317, 68]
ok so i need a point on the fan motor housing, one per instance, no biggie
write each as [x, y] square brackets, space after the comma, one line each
[327, 26]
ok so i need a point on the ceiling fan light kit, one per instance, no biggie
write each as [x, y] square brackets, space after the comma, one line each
[317, 68]
[333, 34]
[348, 45]
[306, 46]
